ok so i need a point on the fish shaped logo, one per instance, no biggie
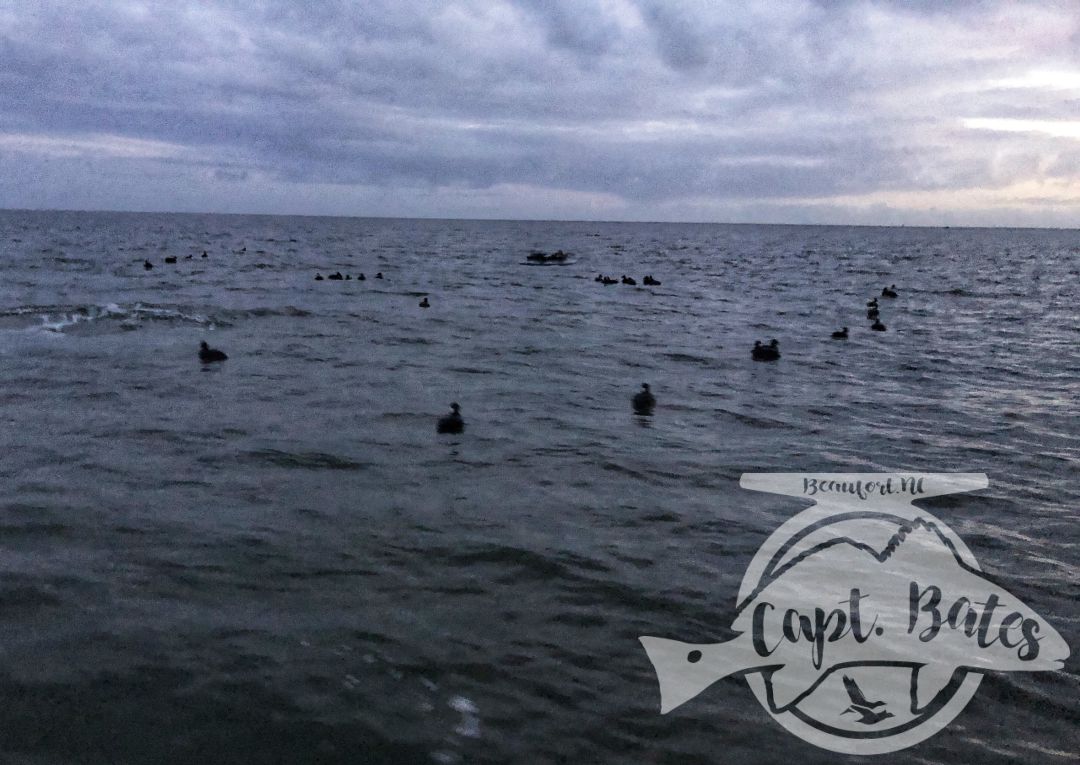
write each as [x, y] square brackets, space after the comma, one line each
[864, 624]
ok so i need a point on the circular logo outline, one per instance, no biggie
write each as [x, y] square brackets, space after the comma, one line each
[962, 689]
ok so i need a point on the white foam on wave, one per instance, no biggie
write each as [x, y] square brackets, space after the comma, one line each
[469, 727]
[79, 315]
[154, 312]
[57, 319]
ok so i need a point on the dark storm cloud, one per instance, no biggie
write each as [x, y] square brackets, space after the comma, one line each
[643, 100]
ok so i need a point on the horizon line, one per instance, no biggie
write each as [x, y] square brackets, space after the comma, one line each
[532, 220]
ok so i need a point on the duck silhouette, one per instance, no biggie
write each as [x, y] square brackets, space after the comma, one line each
[207, 256]
[451, 423]
[170, 259]
[147, 265]
[877, 326]
[865, 709]
[361, 278]
[627, 280]
[208, 354]
[770, 352]
[873, 313]
[872, 303]
[889, 292]
[336, 276]
[425, 304]
[840, 334]
[378, 275]
[318, 277]
[644, 401]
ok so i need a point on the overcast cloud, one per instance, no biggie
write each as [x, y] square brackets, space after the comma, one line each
[786, 111]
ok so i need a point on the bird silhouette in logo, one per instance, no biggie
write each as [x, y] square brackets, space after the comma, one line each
[865, 709]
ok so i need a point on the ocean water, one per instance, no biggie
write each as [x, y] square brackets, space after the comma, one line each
[276, 559]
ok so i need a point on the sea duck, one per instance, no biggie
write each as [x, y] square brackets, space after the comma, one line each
[644, 400]
[208, 354]
[451, 423]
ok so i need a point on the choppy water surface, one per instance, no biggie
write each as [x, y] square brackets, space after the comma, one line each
[276, 559]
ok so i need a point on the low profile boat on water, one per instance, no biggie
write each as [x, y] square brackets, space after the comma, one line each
[542, 257]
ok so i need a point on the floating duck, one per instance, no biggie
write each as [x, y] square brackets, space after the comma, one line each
[361, 278]
[770, 352]
[378, 275]
[208, 354]
[451, 423]
[840, 334]
[336, 277]
[425, 304]
[627, 280]
[147, 265]
[889, 292]
[877, 326]
[644, 401]
[207, 256]
[170, 259]
[318, 277]
[873, 313]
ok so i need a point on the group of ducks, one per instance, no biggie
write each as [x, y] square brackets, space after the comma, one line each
[771, 352]
[338, 277]
[873, 313]
[147, 265]
[648, 280]
[643, 402]
[451, 423]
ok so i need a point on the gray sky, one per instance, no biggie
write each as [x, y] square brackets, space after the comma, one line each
[816, 111]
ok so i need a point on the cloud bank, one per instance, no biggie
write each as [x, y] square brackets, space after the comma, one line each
[790, 111]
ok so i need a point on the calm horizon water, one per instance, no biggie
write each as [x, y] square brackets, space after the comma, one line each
[275, 559]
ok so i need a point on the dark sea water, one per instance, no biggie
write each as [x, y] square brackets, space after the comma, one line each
[276, 559]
